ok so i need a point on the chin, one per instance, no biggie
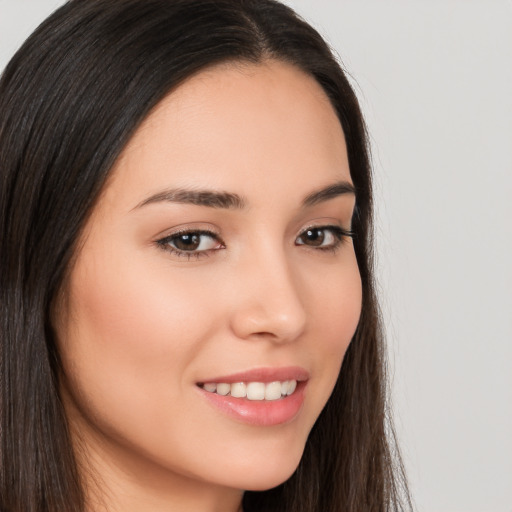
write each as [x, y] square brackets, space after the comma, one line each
[268, 481]
[268, 474]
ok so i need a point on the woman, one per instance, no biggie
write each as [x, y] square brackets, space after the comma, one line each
[188, 317]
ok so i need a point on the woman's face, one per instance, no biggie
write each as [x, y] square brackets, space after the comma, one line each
[216, 261]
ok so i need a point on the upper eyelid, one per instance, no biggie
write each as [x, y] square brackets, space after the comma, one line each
[186, 230]
[333, 227]
[215, 234]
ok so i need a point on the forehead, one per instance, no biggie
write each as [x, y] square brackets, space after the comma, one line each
[238, 126]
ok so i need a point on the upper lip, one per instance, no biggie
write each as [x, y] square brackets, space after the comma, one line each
[263, 374]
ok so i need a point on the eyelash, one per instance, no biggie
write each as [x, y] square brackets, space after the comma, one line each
[340, 235]
[165, 243]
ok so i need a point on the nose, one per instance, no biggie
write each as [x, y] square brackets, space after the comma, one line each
[268, 303]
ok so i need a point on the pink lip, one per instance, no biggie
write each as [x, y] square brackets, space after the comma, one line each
[263, 375]
[261, 412]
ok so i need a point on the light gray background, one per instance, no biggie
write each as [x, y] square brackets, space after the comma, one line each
[435, 81]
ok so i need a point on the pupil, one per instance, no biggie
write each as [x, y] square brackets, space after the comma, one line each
[188, 242]
[315, 236]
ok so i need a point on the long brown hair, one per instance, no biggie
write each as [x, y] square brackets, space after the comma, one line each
[70, 100]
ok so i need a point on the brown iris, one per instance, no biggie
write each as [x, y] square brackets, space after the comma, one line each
[187, 242]
[313, 237]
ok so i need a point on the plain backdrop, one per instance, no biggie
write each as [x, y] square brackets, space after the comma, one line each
[435, 81]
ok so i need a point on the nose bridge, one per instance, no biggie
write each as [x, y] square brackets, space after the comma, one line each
[268, 301]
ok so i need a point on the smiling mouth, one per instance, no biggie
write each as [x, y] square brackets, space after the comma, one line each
[252, 390]
[261, 397]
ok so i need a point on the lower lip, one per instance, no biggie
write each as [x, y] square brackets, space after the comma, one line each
[263, 413]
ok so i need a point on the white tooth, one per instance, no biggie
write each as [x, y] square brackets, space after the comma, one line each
[273, 391]
[284, 387]
[223, 388]
[210, 386]
[291, 388]
[238, 390]
[255, 391]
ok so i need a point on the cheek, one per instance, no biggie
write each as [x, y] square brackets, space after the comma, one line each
[129, 337]
[334, 303]
[336, 307]
[130, 306]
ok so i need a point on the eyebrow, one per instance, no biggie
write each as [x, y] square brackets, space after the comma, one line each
[231, 201]
[210, 198]
[330, 192]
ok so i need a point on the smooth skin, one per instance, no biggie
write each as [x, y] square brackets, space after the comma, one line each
[146, 313]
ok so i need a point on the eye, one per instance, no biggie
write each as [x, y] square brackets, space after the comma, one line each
[191, 243]
[323, 237]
